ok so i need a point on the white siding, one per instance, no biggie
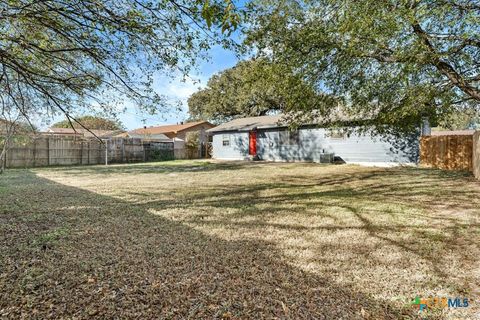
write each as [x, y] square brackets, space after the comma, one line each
[312, 143]
[237, 150]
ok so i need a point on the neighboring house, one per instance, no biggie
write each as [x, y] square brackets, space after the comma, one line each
[266, 138]
[178, 133]
[103, 134]
[156, 137]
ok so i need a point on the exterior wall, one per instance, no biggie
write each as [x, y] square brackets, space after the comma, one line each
[203, 136]
[180, 139]
[237, 150]
[313, 143]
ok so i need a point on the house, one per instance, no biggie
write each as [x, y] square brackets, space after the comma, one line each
[178, 133]
[148, 137]
[266, 138]
[84, 133]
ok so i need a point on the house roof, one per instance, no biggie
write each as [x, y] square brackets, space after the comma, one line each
[84, 132]
[147, 136]
[282, 120]
[453, 133]
[250, 123]
[174, 128]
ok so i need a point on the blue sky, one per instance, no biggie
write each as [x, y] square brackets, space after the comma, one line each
[175, 90]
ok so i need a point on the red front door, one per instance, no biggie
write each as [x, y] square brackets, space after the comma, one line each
[252, 150]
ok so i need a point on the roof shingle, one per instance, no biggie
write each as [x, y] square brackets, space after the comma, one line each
[170, 128]
[250, 123]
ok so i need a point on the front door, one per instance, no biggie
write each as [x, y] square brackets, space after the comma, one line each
[252, 149]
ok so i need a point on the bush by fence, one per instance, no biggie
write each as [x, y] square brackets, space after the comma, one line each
[53, 150]
[451, 152]
[158, 151]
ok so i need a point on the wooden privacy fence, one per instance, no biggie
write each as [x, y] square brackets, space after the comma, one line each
[450, 152]
[54, 150]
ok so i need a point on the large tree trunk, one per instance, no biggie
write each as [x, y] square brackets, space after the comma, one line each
[3, 154]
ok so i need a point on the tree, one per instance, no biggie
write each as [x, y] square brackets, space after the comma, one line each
[251, 88]
[70, 55]
[461, 120]
[393, 61]
[92, 123]
[192, 144]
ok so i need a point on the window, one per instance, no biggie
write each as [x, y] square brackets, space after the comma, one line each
[226, 140]
[289, 137]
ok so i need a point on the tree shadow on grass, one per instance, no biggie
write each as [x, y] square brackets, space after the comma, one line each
[402, 209]
[67, 252]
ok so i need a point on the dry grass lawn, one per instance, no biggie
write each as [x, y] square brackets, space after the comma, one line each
[194, 239]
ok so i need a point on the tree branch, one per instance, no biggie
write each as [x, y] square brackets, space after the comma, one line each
[445, 68]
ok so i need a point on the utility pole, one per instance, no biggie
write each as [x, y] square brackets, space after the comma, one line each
[106, 152]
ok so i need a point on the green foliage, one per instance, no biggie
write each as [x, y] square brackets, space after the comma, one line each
[224, 14]
[49, 238]
[71, 55]
[160, 155]
[461, 120]
[92, 123]
[192, 140]
[395, 61]
[252, 88]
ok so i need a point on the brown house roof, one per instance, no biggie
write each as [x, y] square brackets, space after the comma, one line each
[174, 128]
[148, 136]
[282, 120]
[250, 123]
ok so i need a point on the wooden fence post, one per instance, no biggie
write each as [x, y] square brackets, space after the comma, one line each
[106, 152]
[81, 152]
[48, 151]
[476, 154]
[123, 151]
[5, 158]
[34, 152]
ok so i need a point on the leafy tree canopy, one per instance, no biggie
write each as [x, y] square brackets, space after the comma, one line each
[252, 88]
[69, 55]
[92, 123]
[466, 119]
[395, 60]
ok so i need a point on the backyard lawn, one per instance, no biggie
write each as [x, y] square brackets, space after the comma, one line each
[198, 239]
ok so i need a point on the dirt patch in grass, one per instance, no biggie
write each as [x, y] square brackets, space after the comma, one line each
[236, 240]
